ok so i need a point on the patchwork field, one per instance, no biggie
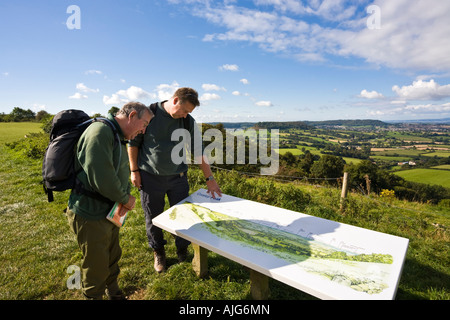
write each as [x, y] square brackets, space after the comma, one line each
[429, 176]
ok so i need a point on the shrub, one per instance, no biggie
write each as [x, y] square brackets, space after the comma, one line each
[33, 145]
[444, 203]
[263, 190]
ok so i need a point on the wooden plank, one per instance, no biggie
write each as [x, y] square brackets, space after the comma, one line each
[259, 285]
[200, 261]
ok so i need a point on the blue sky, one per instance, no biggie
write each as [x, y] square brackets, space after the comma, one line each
[250, 61]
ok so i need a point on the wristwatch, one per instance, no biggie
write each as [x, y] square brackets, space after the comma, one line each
[209, 178]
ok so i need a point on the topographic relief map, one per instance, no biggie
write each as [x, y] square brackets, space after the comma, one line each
[313, 256]
[303, 251]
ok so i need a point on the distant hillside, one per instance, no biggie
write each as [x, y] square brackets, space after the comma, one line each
[234, 125]
[435, 121]
[283, 125]
[348, 123]
[303, 124]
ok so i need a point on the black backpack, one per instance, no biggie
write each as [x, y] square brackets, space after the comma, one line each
[58, 167]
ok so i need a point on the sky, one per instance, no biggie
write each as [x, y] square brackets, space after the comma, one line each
[250, 61]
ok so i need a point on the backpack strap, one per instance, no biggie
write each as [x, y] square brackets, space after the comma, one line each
[79, 187]
[116, 134]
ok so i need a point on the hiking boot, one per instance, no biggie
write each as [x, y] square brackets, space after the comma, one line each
[113, 292]
[160, 260]
[118, 295]
[182, 254]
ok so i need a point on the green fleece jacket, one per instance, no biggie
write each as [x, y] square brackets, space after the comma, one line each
[98, 158]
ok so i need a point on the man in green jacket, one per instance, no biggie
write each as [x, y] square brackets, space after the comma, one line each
[104, 170]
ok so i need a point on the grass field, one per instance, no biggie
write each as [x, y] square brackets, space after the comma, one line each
[37, 245]
[429, 176]
[407, 137]
[444, 166]
[443, 154]
[11, 131]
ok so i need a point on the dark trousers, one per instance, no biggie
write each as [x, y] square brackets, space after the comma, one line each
[153, 192]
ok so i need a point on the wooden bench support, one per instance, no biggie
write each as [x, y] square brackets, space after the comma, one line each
[200, 261]
[259, 282]
[259, 285]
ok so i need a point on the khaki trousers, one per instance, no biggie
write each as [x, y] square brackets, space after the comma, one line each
[99, 244]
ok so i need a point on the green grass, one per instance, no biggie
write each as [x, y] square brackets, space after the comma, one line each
[37, 245]
[442, 154]
[399, 153]
[428, 176]
[12, 131]
[352, 160]
[444, 167]
[407, 137]
[387, 158]
[298, 151]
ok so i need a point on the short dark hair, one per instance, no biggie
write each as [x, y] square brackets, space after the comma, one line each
[187, 94]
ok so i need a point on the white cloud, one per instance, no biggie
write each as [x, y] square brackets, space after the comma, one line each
[81, 87]
[78, 96]
[429, 109]
[244, 81]
[209, 97]
[333, 10]
[236, 93]
[115, 99]
[229, 67]
[423, 90]
[426, 108]
[133, 93]
[263, 104]
[38, 107]
[370, 95]
[93, 72]
[166, 91]
[412, 35]
[212, 87]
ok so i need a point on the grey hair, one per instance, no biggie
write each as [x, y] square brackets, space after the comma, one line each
[140, 109]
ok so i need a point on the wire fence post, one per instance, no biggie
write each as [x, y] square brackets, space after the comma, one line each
[344, 192]
[367, 183]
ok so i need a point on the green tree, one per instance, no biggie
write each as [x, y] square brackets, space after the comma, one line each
[41, 115]
[113, 110]
[328, 166]
[19, 114]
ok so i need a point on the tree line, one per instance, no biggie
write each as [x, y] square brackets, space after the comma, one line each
[328, 169]
[22, 115]
[28, 115]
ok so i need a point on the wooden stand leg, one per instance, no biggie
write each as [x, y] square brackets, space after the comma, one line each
[259, 285]
[200, 261]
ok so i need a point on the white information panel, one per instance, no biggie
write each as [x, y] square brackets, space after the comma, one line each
[326, 259]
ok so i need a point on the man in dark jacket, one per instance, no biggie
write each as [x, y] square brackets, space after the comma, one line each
[155, 172]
